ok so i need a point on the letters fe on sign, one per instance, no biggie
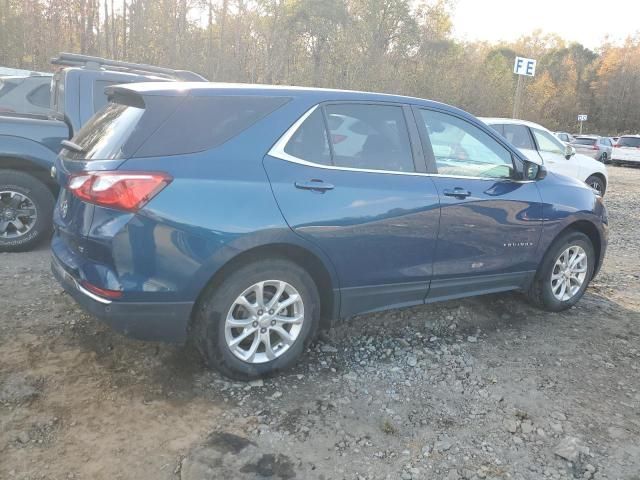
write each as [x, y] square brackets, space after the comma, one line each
[582, 118]
[524, 66]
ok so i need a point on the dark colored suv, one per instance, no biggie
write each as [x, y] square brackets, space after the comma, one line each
[251, 216]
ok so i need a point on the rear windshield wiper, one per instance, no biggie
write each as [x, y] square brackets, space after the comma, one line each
[72, 146]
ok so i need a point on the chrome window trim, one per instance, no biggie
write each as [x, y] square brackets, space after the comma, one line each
[277, 151]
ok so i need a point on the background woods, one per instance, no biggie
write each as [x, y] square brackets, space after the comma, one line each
[398, 46]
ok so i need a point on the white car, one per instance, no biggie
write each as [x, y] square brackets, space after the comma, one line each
[537, 143]
[626, 150]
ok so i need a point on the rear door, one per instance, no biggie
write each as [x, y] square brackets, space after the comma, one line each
[350, 177]
[490, 223]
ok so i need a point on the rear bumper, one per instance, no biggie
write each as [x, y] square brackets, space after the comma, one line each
[160, 321]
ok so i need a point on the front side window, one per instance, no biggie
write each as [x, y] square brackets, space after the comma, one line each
[518, 136]
[547, 142]
[370, 137]
[463, 149]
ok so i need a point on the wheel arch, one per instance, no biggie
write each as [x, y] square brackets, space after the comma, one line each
[591, 231]
[313, 264]
[601, 176]
[30, 167]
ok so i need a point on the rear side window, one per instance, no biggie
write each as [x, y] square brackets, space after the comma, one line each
[370, 137]
[584, 141]
[518, 136]
[629, 142]
[373, 137]
[202, 123]
[6, 86]
[41, 96]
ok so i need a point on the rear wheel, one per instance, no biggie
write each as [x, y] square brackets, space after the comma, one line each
[259, 320]
[564, 274]
[26, 208]
[597, 183]
[604, 158]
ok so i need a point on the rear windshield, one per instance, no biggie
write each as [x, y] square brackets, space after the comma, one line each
[163, 126]
[104, 137]
[629, 142]
[584, 141]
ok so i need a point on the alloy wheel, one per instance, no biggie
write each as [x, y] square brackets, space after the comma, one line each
[569, 273]
[18, 214]
[264, 321]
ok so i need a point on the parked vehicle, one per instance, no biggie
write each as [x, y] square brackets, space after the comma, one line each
[30, 94]
[248, 230]
[594, 146]
[565, 137]
[614, 140]
[626, 150]
[538, 143]
[29, 143]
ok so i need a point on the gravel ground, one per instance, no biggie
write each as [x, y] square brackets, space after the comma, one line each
[485, 388]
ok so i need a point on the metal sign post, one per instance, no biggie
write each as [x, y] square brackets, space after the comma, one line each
[523, 67]
[582, 119]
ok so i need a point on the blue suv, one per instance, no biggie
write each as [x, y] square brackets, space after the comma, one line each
[248, 217]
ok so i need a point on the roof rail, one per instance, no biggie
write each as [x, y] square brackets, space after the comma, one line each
[77, 60]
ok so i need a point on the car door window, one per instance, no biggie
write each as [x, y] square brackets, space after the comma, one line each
[369, 136]
[460, 148]
[547, 143]
[518, 136]
[41, 96]
[309, 142]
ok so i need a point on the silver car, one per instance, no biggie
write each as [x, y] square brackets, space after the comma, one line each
[594, 146]
[25, 94]
[565, 137]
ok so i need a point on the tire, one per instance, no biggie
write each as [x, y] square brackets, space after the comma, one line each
[541, 291]
[597, 183]
[35, 200]
[212, 336]
[604, 158]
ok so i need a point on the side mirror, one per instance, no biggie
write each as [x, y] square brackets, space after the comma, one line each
[533, 171]
[569, 151]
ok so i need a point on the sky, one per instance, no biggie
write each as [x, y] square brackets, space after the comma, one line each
[584, 21]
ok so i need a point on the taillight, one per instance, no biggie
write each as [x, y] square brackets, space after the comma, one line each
[120, 190]
[595, 147]
[102, 292]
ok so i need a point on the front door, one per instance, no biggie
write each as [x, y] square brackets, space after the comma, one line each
[348, 178]
[490, 223]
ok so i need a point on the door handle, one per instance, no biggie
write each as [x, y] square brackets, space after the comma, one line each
[315, 185]
[457, 193]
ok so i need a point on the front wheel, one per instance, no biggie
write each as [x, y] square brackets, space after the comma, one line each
[564, 274]
[597, 183]
[26, 208]
[259, 320]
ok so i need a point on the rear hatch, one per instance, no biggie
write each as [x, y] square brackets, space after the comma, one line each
[112, 136]
[585, 145]
[627, 148]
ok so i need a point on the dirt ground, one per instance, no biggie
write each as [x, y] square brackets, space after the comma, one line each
[482, 388]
